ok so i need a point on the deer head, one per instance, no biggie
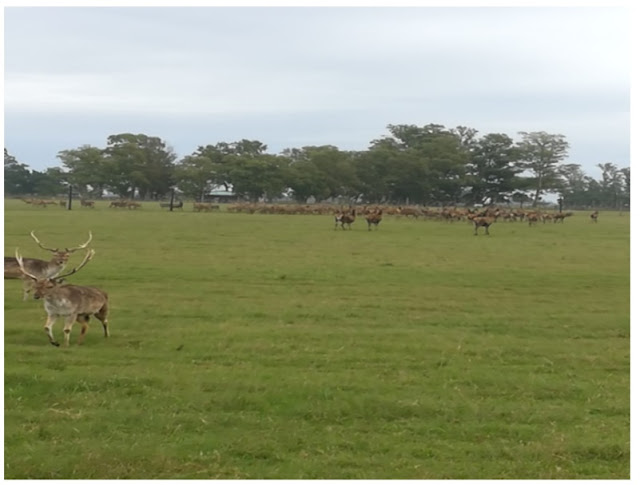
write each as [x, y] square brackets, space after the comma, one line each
[62, 255]
[43, 286]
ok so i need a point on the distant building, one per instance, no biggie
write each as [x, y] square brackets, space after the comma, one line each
[220, 193]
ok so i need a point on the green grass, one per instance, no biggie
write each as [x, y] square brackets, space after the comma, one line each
[265, 346]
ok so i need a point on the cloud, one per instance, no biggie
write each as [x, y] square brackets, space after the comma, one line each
[315, 73]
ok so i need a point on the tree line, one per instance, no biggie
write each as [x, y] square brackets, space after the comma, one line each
[426, 165]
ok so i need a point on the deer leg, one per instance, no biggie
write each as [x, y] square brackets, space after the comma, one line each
[84, 321]
[68, 324]
[486, 230]
[48, 327]
[102, 316]
[475, 230]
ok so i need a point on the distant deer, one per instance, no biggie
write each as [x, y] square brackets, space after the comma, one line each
[39, 267]
[485, 221]
[73, 303]
[594, 216]
[344, 217]
[87, 203]
[373, 217]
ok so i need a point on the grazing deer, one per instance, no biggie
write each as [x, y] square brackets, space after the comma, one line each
[87, 203]
[202, 206]
[73, 303]
[594, 216]
[373, 217]
[40, 268]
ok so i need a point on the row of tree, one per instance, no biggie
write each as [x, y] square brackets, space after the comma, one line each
[418, 165]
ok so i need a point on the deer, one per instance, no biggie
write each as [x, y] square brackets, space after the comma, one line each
[87, 203]
[373, 217]
[344, 217]
[72, 302]
[594, 216]
[202, 206]
[39, 267]
[485, 221]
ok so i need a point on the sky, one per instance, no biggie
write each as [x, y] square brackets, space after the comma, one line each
[294, 77]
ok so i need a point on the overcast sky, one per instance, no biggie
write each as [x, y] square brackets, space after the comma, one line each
[293, 77]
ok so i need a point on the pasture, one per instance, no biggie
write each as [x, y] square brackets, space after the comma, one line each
[271, 346]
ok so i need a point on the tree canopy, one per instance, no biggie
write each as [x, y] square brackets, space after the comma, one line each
[409, 165]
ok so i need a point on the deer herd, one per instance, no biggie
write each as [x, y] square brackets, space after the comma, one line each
[71, 302]
[78, 303]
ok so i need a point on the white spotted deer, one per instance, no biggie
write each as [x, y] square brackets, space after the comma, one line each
[38, 267]
[72, 302]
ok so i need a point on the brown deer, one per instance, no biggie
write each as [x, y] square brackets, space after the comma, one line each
[373, 216]
[118, 203]
[87, 203]
[344, 217]
[532, 218]
[485, 221]
[594, 216]
[202, 206]
[73, 303]
[39, 267]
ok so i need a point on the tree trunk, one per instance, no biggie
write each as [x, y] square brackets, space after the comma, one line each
[538, 190]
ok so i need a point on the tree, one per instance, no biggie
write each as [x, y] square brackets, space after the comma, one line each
[612, 185]
[88, 170]
[540, 153]
[321, 172]
[626, 187]
[258, 177]
[520, 198]
[17, 177]
[574, 185]
[427, 163]
[51, 182]
[222, 155]
[139, 163]
[195, 176]
[491, 171]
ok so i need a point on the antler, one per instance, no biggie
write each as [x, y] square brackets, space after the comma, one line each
[86, 259]
[21, 264]
[82, 246]
[40, 244]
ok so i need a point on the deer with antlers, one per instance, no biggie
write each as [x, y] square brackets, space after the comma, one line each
[72, 302]
[38, 267]
[373, 216]
[485, 220]
[343, 217]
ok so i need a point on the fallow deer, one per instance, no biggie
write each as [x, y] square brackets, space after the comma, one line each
[39, 267]
[72, 302]
[532, 218]
[202, 206]
[373, 217]
[344, 217]
[594, 216]
[560, 216]
[485, 221]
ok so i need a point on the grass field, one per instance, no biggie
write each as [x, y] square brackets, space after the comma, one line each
[266, 346]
